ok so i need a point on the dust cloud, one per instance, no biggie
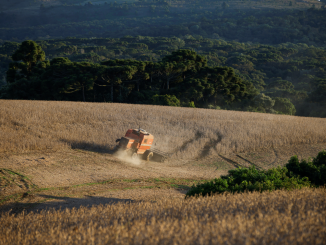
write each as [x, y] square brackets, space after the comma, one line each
[125, 157]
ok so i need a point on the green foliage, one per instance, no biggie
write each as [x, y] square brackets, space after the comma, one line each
[26, 58]
[29, 53]
[226, 74]
[184, 74]
[191, 104]
[227, 20]
[9, 48]
[284, 106]
[249, 179]
[294, 175]
[280, 84]
[315, 170]
[263, 102]
[318, 95]
[169, 100]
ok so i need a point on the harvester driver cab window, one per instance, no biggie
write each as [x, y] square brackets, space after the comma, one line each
[145, 141]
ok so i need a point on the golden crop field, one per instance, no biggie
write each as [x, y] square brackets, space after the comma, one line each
[279, 217]
[186, 132]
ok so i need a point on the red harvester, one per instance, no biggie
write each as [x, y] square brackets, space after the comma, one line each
[138, 142]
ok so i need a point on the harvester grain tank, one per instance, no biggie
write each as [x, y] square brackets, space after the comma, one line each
[138, 142]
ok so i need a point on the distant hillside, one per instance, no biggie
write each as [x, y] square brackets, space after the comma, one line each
[268, 22]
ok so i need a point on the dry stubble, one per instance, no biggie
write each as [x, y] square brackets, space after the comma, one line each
[280, 217]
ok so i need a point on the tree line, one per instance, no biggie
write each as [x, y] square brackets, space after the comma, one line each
[180, 79]
[208, 19]
[279, 79]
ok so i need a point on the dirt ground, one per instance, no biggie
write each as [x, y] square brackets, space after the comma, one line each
[74, 178]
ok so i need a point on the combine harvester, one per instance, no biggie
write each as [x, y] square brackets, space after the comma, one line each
[138, 142]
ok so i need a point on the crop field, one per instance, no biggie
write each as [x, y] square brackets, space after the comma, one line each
[280, 217]
[60, 182]
[186, 133]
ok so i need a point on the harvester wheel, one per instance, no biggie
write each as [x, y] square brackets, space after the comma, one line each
[149, 156]
[134, 156]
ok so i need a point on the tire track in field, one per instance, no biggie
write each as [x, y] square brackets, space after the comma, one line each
[276, 157]
[255, 165]
[188, 142]
[234, 163]
[211, 143]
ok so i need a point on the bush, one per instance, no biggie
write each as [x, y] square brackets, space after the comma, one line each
[250, 179]
[315, 170]
[293, 176]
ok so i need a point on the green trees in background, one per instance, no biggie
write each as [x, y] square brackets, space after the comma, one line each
[183, 75]
[227, 75]
[69, 78]
[209, 19]
[284, 106]
[169, 100]
[318, 94]
[276, 52]
[8, 48]
[26, 58]
[264, 103]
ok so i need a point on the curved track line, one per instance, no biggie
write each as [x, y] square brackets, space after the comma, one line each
[276, 157]
[234, 163]
[209, 144]
[186, 143]
[255, 165]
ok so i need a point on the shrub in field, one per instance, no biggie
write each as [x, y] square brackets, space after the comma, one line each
[315, 170]
[250, 179]
[294, 175]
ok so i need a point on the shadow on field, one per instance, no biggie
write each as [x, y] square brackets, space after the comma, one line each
[60, 203]
[87, 146]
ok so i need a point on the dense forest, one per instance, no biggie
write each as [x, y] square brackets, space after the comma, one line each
[243, 21]
[243, 55]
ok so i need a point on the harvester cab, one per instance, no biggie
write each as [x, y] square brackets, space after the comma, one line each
[138, 142]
